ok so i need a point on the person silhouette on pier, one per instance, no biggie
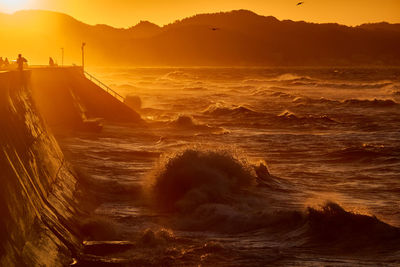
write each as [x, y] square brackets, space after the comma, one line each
[51, 62]
[21, 61]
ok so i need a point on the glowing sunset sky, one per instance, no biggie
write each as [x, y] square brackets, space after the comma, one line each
[125, 13]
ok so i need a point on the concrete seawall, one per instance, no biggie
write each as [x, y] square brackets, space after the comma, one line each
[37, 186]
[67, 99]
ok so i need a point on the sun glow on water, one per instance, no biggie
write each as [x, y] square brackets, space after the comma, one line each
[12, 5]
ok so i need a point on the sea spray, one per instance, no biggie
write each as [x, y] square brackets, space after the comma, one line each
[215, 190]
[193, 177]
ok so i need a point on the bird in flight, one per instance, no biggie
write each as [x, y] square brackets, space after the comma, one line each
[299, 3]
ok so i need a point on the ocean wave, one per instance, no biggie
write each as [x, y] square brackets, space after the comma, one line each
[281, 95]
[265, 179]
[314, 101]
[178, 75]
[212, 190]
[185, 122]
[273, 91]
[261, 92]
[364, 153]
[349, 231]
[255, 81]
[376, 103]
[338, 85]
[223, 110]
[293, 77]
[195, 88]
[243, 117]
[289, 117]
[128, 155]
[284, 78]
[353, 103]
[152, 238]
[216, 191]
[193, 177]
[239, 88]
[379, 85]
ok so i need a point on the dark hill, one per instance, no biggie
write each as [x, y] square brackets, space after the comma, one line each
[238, 37]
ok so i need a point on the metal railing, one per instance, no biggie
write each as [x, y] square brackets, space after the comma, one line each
[104, 87]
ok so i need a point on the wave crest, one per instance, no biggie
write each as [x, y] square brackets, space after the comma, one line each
[376, 103]
[194, 177]
[334, 225]
[205, 190]
[222, 110]
[178, 75]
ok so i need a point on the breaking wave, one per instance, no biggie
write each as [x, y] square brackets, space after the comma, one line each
[331, 224]
[216, 191]
[194, 177]
[183, 121]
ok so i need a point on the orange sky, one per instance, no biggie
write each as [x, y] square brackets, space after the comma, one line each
[125, 13]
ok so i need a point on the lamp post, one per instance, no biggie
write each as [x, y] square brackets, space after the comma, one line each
[62, 56]
[83, 56]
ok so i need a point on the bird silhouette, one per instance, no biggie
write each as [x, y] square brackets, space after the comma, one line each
[214, 29]
[299, 3]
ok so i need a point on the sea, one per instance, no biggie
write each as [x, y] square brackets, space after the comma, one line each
[246, 167]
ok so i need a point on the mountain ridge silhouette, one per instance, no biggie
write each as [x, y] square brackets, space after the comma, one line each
[238, 37]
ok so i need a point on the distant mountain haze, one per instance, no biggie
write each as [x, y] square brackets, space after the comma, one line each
[238, 38]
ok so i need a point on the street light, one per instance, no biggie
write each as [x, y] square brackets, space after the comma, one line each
[83, 56]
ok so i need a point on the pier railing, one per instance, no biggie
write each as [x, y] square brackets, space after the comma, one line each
[104, 86]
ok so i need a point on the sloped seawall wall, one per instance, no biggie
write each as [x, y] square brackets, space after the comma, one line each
[37, 186]
[67, 99]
